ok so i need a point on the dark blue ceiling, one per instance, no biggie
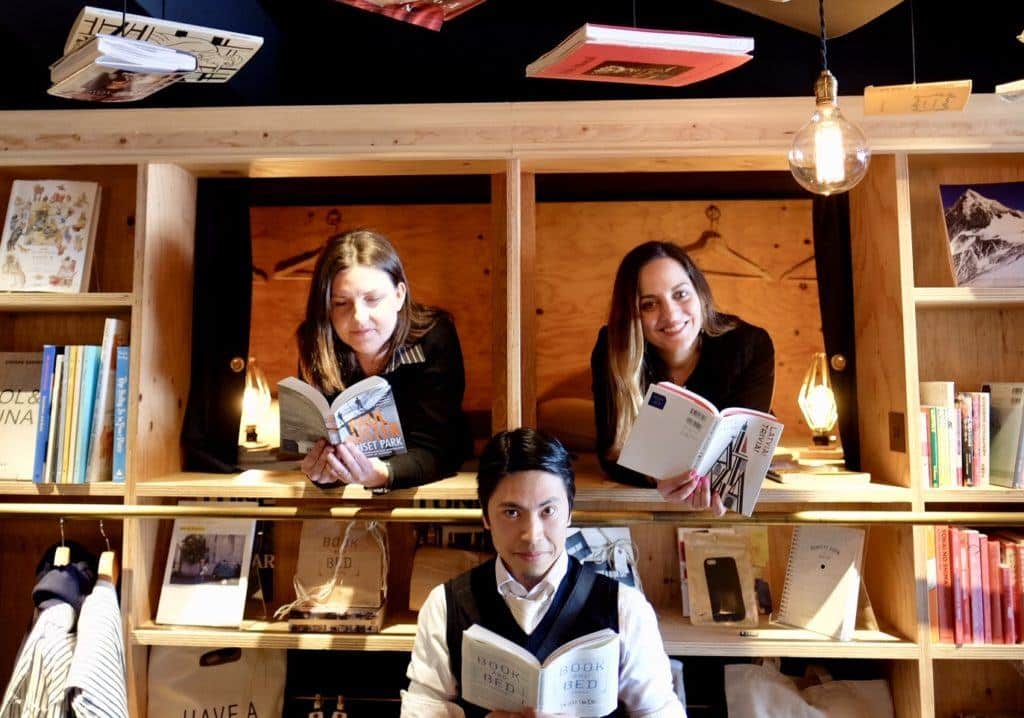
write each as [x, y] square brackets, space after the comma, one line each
[323, 52]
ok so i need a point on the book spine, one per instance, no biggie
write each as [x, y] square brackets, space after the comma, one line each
[933, 442]
[56, 401]
[90, 374]
[976, 587]
[1009, 605]
[43, 409]
[955, 562]
[985, 436]
[115, 334]
[120, 414]
[926, 448]
[932, 572]
[67, 402]
[788, 579]
[963, 401]
[1018, 571]
[986, 587]
[944, 584]
[956, 441]
[996, 591]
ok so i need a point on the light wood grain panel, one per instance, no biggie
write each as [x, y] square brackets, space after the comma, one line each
[30, 330]
[931, 245]
[694, 127]
[883, 296]
[971, 347]
[112, 251]
[500, 406]
[579, 246]
[889, 574]
[528, 300]
[976, 686]
[446, 250]
[905, 682]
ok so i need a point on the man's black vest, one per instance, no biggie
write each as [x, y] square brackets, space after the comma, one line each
[584, 602]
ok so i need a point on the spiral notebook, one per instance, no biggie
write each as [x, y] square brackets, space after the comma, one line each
[823, 580]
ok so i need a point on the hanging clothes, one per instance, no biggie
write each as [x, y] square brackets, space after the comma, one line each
[96, 684]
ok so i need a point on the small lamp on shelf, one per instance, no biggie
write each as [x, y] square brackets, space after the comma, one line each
[817, 401]
[255, 406]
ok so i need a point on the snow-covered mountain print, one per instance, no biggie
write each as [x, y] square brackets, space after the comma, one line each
[985, 227]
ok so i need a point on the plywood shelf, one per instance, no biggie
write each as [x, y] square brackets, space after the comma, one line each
[84, 302]
[28, 488]
[679, 636]
[978, 652]
[968, 297]
[988, 494]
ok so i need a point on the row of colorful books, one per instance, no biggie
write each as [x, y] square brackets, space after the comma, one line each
[978, 594]
[972, 438]
[82, 411]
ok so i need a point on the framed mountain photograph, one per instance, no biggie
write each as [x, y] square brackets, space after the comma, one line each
[985, 229]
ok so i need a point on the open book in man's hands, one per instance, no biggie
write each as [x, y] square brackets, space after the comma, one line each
[365, 414]
[581, 678]
[678, 430]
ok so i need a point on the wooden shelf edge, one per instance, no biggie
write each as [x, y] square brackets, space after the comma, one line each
[398, 637]
[591, 489]
[994, 494]
[968, 297]
[28, 488]
[83, 302]
[978, 652]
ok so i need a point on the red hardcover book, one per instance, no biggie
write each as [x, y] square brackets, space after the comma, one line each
[608, 53]
[986, 586]
[1009, 604]
[956, 564]
[944, 584]
[977, 588]
[995, 578]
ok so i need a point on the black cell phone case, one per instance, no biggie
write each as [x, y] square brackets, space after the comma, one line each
[724, 589]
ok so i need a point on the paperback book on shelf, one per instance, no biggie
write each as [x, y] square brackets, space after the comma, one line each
[118, 69]
[19, 412]
[678, 430]
[608, 53]
[48, 236]
[1007, 433]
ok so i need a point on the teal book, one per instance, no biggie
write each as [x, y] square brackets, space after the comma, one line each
[86, 401]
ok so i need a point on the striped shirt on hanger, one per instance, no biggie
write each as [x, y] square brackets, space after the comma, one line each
[39, 682]
[96, 685]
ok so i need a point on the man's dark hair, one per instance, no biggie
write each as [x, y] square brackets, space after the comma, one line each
[522, 449]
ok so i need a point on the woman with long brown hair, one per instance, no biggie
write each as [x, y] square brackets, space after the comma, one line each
[361, 321]
[664, 326]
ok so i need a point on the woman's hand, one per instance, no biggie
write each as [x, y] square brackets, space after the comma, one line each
[329, 466]
[692, 489]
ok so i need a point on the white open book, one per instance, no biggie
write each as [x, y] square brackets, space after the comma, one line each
[581, 678]
[365, 413]
[678, 430]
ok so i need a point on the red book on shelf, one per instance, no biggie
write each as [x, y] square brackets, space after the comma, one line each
[1009, 604]
[995, 577]
[944, 584]
[977, 588]
[986, 586]
[956, 563]
[608, 53]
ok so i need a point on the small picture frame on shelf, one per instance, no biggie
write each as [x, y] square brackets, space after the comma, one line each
[985, 233]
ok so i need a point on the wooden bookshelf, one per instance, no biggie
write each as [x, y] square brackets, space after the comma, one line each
[967, 297]
[67, 303]
[28, 488]
[988, 494]
[977, 652]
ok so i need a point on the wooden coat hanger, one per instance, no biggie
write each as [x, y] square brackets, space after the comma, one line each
[62, 554]
[107, 568]
[713, 243]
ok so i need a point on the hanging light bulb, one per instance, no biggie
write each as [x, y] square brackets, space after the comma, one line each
[817, 400]
[829, 154]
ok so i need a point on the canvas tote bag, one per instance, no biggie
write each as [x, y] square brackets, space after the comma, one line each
[753, 691]
[211, 683]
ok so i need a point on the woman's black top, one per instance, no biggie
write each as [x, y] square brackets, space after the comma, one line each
[428, 386]
[734, 369]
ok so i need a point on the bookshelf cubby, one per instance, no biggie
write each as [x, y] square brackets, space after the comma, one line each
[533, 323]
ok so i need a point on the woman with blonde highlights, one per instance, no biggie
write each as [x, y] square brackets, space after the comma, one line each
[361, 321]
[664, 326]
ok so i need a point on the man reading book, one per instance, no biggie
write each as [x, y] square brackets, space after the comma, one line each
[533, 593]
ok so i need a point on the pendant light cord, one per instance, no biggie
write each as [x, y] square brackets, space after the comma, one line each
[913, 44]
[634, 13]
[821, 23]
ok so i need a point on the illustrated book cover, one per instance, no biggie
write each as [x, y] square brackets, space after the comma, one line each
[48, 236]
[19, 412]
[207, 574]
[220, 53]
[365, 413]
[985, 231]
[608, 53]
[498, 674]
[823, 579]
[678, 430]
